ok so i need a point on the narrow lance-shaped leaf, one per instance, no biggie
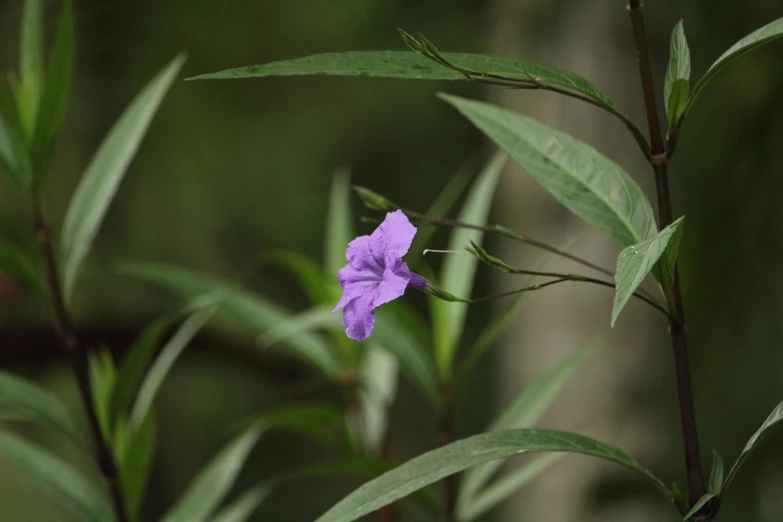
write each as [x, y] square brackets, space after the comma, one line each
[412, 66]
[25, 401]
[458, 456]
[14, 157]
[103, 375]
[136, 362]
[135, 453]
[443, 202]
[636, 261]
[17, 265]
[771, 422]
[30, 63]
[241, 509]
[714, 489]
[339, 229]
[211, 486]
[162, 365]
[459, 270]
[56, 94]
[754, 40]
[504, 487]
[588, 183]
[251, 311]
[57, 478]
[324, 423]
[102, 178]
[309, 273]
[378, 373]
[716, 474]
[523, 412]
[413, 356]
[677, 86]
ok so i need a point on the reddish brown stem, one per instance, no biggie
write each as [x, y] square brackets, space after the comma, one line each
[658, 158]
[104, 456]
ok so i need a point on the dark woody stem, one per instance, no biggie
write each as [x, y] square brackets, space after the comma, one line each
[78, 355]
[503, 231]
[658, 158]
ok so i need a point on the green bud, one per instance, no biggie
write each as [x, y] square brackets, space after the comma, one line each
[374, 201]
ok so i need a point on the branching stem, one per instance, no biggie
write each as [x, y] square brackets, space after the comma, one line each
[659, 160]
[78, 355]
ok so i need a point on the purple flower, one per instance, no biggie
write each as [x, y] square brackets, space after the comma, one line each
[375, 273]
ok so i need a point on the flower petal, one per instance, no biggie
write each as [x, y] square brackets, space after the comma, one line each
[360, 255]
[355, 283]
[358, 316]
[395, 280]
[393, 236]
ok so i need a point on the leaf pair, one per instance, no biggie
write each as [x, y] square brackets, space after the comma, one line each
[718, 485]
[678, 94]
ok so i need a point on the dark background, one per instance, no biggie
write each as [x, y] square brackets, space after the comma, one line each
[230, 168]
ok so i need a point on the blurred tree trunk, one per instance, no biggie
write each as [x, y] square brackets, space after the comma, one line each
[591, 39]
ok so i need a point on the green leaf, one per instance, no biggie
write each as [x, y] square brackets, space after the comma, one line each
[506, 486]
[445, 199]
[361, 467]
[17, 265]
[636, 261]
[339, 228]
[14, 156]
[409, 351]
[458, 456]
[754, 40]
[135, 453]
[677, 100]
[56, 94]
[459, 269]
[378, 374]
[26, 401]
[412, 66]
[249, 310]
[241, 509]
[168, 355]
[307, 271]
[137, 360]
[314, 318]
[714, 489]
[213, 483]
[675, 91]
[716, 474]
[57, 478]
[321, 422]
[103, 375]
[774, 418]
[523, 412]
[30, 63]
[103, 176]
[698, 505]
[586, 182]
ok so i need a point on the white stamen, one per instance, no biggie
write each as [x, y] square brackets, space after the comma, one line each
[442, 251]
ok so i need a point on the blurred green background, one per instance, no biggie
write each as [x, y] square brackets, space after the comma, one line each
[231, 168]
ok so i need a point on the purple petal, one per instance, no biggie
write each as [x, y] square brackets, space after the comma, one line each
[358, 316]
[393, 237]
[395, 281]
[360, 255]
[355, 283]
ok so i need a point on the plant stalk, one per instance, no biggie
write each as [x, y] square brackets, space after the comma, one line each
[66, 332]
[447, 437]
[658, 158]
